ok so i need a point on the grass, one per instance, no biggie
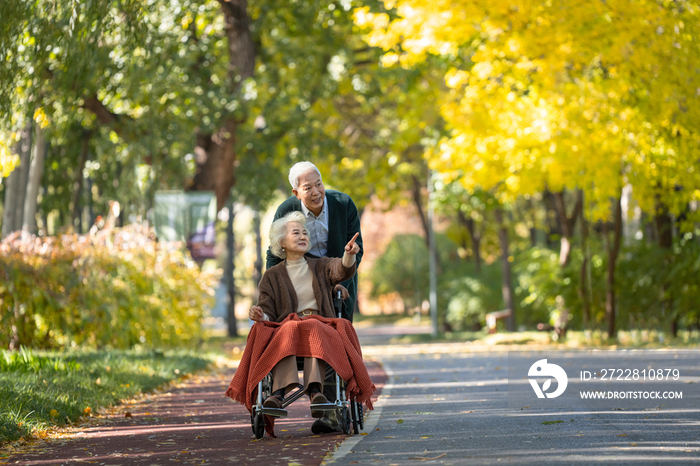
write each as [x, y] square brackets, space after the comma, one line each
[217, 341]
[40, 389]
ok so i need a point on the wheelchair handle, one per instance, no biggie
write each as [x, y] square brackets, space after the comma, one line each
[338, 303]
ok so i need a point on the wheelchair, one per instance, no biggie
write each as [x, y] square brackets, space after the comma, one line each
[349, 413]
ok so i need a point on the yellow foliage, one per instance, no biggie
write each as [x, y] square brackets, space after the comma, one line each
[590, 95]
[41, 118]
[117, 289]
[8, 160]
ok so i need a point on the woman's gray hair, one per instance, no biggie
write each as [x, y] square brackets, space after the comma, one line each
[299, 169]
[278, 230]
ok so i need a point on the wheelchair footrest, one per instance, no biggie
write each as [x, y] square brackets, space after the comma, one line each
[324, 407]
[274, 412]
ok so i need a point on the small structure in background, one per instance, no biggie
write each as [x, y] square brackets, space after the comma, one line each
[188, 217]
[492, 318]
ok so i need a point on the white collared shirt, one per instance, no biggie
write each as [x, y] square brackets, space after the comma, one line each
[318, 229]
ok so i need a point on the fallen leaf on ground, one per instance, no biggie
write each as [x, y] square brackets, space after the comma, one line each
[422, 458]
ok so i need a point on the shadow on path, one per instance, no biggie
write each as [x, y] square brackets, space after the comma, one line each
[191, 423]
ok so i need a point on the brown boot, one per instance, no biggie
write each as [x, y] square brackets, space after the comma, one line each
[275, 400]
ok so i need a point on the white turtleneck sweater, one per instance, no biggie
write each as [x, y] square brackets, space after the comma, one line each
[300, 274]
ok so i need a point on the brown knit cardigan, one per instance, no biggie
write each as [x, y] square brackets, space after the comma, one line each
[278, 298]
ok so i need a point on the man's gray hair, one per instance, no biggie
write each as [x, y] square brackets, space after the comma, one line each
[299, 169]
[278, 230]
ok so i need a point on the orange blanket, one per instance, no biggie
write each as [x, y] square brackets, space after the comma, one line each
[333, 340]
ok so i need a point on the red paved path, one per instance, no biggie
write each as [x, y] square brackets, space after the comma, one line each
[192, 424]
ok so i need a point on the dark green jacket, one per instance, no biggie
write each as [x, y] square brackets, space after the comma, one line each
[343, 223]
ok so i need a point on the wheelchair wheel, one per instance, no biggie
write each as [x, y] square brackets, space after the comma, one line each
[345, 420]
[355, 419]
[360, 416]
[259, 425]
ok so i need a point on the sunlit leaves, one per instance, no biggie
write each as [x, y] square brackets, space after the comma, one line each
[588, 95]
[117, 289]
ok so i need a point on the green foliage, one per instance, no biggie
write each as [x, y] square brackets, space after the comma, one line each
[403, 269]
[470, 296]
[646, 276]
[118, 289]
[40, 389]
[539, 280]
[464, 297]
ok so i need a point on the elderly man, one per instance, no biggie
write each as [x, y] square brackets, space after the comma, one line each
[332, 221]
[331, 218]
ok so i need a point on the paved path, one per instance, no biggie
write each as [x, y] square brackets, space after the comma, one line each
[193, 423]
[452, 404]
[448, 404]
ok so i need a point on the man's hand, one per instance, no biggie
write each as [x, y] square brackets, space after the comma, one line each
[352, 247]
[343, 291]
[256, 314]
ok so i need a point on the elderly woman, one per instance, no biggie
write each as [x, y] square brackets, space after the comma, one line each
[300, 285]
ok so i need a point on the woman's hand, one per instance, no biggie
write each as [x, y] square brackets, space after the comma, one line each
[256, 314]
[352, 247]
[343, 291]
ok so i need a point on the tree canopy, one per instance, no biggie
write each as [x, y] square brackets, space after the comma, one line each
[542, 94]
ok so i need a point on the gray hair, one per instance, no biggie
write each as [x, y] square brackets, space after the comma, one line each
[278, 230]
[299, 169]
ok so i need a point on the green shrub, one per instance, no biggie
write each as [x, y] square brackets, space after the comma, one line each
[403, 269]
[645, 276]
[464, 297]
[117, 289]
[469, 296]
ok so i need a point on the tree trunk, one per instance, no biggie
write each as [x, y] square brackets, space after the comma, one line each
[76, 216]
[36, 169]
[257, 272]
[567, 224]
[583, 289]
[650, 235]
[230, 267]
[215, 157]
[123, 205]
[475, 237]
[664, 231]
[11, 182]
[25, 146]
[552, 220]
[215, 153]
[613, 251]
[507, 282]
[416, 188]
[533, 228]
